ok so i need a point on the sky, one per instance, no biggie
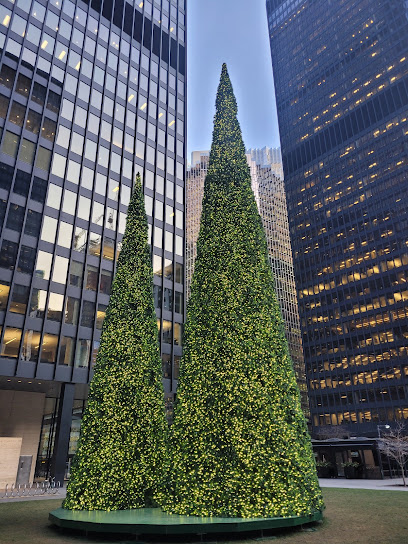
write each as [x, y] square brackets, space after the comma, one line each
[235, 32]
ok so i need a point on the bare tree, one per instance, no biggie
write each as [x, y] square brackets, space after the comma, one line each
[395, 446]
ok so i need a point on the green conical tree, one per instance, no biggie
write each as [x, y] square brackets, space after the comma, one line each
[120, 462]
[240, 445]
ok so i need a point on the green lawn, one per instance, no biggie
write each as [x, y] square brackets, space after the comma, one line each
[352, 516]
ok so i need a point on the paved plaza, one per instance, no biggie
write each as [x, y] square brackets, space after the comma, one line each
[394, 484]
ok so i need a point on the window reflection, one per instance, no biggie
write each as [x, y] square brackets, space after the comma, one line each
[33, 122]
[43, 267]
[76, 273]
[31, 346]
[71, 311]
[95, 243]
[67, 348]
[59, 274]
[80, 239]
[19, 299]
[83, 353]
[37, 303]
[55, 304]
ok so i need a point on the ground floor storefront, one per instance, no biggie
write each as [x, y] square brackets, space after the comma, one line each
[39, 429]
[352, 458]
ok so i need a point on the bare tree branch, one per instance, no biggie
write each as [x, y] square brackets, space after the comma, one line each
[395, 446]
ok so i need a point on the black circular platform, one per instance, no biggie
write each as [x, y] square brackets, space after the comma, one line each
[155, 521]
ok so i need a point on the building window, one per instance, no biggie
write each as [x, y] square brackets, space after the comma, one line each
[8, 254]
[59, 274]
[43, 267]
[15, 218]
[178, 302]
[43, 159]
[4, 294]
[39, 93]
[49, 348]
[10, 144]
[157, 296]
[33, 122]
[65, 235]
[76, 272]
[7, 74]
[22, 183]
[100, 316]
[55, 305]
[108, 249]
[4, 102]
[178, 334]
[106, 282]
[67, 348]
[54, 197]
[166, 365]
[88, 314]
[19, 299]
[37, 303]
[27, 151]
[26, 260]
[95, 350]
[168, 299]
[11, 342]
[167, 332]
[83, 353]
[39, 190]
[69, 203]
[31, 346]
[95, 242]
[91, 278]
[48, 129]
[71, 311]
[49, 229]
[17, 113]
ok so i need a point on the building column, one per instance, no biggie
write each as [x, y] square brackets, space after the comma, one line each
[64, 421]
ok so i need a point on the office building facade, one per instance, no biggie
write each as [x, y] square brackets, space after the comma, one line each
[91, 94]
[341, 79]
[196, 173]
[268, 187]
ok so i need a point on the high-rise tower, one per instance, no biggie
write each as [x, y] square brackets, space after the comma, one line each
[341, 78]
[91, 93]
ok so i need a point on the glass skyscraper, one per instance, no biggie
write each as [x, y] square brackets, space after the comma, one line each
[91, 94]
[341, 77]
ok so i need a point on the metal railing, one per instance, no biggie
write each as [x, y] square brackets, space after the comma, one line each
[48, 487]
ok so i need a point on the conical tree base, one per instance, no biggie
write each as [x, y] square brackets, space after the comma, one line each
[240, 445]
[121, 458]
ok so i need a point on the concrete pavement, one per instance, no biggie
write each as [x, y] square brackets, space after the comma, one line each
[394, 484]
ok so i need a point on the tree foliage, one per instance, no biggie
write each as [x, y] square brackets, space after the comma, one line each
[120, 462]
[240, 444]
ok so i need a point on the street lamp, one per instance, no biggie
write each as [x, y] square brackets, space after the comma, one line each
[379, 451]
[379, 427]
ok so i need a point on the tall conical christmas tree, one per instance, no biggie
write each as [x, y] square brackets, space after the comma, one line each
[240, 444]
[120, 461]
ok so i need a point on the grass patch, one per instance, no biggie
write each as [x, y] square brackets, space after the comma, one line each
[352, 516]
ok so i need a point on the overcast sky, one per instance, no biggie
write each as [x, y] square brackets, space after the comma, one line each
[235, 32]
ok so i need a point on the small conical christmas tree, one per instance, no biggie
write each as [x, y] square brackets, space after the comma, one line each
[120, 461]
[240, 444]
